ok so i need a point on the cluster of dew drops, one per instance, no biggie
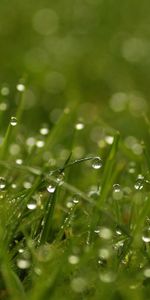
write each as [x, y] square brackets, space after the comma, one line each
[78, 284]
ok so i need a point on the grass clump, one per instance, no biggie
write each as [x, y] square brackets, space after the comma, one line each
[73, 225]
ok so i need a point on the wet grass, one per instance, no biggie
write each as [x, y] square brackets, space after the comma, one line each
[73, 224]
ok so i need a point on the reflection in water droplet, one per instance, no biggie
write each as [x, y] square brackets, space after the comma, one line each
[2, 183]
[51, 189]
[97, 163]
[13, 121]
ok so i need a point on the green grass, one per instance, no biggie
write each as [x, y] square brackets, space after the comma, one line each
[74, 150]
[73, 226]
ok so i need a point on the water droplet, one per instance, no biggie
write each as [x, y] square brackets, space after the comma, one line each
[44, 131]
[79, 126]
[14, 186]
[104, 253]
[19, 161]
[2, 183]
[76, 199]
[20, 87]
[78, 284]
[147, 272]
[40, 144]
[139, 184]
[13, 121]
[21, 250]
[3, 106]
[73, 259]
[32, 205]
[105, 233]
[97, 230]
[23, 263]
[27, 185]
[117, 192]
[109, 139]
[5, 91]
[60, 178]
[107, 277]
[146, 235]
[97, 163]
[51, 188]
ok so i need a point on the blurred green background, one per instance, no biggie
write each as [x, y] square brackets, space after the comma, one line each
[95, 52]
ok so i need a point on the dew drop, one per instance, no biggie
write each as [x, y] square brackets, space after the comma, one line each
[107, 277]
[32, 205]
[139, 184]
[79, 126]
[146, 235]
[19, 161]
[27, 185]
[20, 87]
[5, 91]
[76, 199]
[23, 263]
[2, 183]
[97, 163]
[44, 131]
[40, 144]
[78, 284]
[3, 106]
[117, 192]
[73, 259]
[105, 233]
[60, 178]
[51, 189]
[104, 253]
[147, 272]
[13, 121]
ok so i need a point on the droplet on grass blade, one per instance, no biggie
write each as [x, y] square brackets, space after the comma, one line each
[44, 130]
[73, 259]
[117, 192]
[146, 235]
[20, 87]
[23, 263]
[139, 184]
[2, 183]
[76, 199]
[13, 121]
[78, 284]
[79, 126]
[97, 163]
[32, 205]
[5, 91]
[51, 188]
[107, 277]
